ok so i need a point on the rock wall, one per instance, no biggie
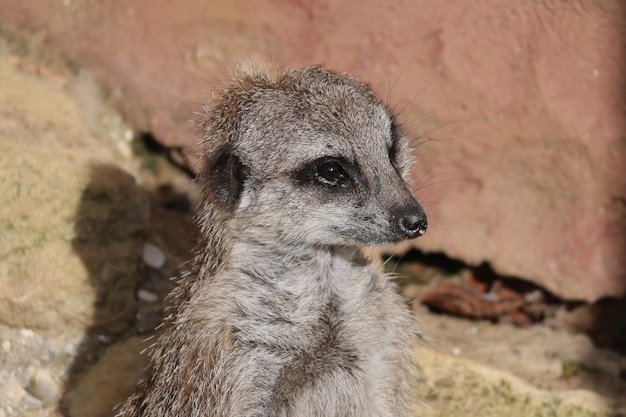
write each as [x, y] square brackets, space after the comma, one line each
[517, 109]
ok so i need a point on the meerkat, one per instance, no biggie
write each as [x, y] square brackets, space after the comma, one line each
[280, 313]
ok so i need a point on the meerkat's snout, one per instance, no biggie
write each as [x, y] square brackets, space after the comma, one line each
[411, 222]
[405, 217]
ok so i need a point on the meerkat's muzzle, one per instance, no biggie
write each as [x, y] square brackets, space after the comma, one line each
[410, 221]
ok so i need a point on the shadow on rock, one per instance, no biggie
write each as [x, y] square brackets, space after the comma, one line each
[110, 228]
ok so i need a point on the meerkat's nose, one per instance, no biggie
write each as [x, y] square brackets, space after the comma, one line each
[412, 222]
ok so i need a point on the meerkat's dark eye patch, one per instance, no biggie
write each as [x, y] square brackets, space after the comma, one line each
[330, 172]
[226, 175]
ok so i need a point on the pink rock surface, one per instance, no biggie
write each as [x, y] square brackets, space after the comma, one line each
[518, 108]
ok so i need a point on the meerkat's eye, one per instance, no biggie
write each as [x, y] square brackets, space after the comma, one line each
[331, 173]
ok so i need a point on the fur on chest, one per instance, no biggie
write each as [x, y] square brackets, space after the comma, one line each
[346, 335]
[328, 301]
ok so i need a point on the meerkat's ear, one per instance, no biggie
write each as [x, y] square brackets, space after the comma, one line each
[226, 175]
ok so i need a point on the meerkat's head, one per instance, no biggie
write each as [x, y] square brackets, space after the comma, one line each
[310, 157]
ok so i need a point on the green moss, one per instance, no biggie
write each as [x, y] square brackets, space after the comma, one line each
[17, 45]
[570, 369]
[461, 392]
[444, 383]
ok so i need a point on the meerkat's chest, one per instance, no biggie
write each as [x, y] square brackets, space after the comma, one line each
[333, 345]
[350, 365]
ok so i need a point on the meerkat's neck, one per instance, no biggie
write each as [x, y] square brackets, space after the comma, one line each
[301, 268]
[264, 257]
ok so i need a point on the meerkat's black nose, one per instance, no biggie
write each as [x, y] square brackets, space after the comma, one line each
[412, 222]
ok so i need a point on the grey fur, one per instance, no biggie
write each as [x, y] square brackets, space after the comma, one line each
[280, 314]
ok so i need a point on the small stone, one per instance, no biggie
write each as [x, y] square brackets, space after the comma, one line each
[147, 296]
[125, 149]
[26, 333]
[103, 338]
[128, 135]
[153, 256]
[6, 345]
[43, 387]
